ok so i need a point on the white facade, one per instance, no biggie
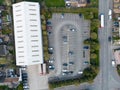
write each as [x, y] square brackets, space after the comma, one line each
[28, 34]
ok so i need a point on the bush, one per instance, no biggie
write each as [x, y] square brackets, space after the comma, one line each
[118, 69]
[55, 3]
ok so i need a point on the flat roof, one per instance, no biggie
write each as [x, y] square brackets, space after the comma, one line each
[28, 33]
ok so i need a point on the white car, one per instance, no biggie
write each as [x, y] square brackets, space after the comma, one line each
[80, 72]
[110, 17]
[51, 61]
[113, 63]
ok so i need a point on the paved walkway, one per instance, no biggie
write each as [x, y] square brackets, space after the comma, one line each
[37, 81]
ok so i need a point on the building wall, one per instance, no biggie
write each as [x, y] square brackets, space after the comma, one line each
[27, 31]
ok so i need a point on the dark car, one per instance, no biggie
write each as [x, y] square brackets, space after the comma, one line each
[52, 67]
[109, 38]
[24, 76]
[86, 47]
[50, 50]
[65, 64]
[64, 38]
[71, 63]
[48, 22]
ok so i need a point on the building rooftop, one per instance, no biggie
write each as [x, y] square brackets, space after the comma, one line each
[76, 3]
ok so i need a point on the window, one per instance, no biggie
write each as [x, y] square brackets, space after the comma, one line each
[35, 46]
[20, 47]
[18, 6]
[33, 25]
[31, 5]
[20, 51]
[20, 41]
[19, 31]
[32, 9]
[19, 26]
[34, 35]
[36, 61]
[33, 30]
[34, 40]
[18, 15]
[35, 50]
[32, 14]
[19, 21]
[21, 56]
[20, 37]
[33, 20]
[21, 62]
[18, 10]
[35, 55]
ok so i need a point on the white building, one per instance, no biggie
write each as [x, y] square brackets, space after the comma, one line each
[28, 34]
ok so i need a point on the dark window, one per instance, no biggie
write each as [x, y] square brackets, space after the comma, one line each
[19, 31]
[35, 46]
[20, 41]
[18, 15]
[34, 40]
[33, 20]
[34, 35]
[19, 26]
[32, 14]
[33, 25]
[35, 50]
[19, 21]
[33, 30]
[21, 62]
[31, 5]
[32, 9]
[21, 51]
[35, 55]
[36, 61]
[21, 56]
[18, 10]
[20, 47]
[18, 6]
[20, 37]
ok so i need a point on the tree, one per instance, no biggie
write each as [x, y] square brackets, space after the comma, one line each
[87, 41]
[94, 25]
[93, 56]
[93, 35]
[7, 31]
[95, 46]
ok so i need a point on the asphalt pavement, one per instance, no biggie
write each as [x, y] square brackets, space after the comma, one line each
[61, 27]
[108, 78]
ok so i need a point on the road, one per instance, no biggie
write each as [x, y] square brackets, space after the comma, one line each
[108, 78]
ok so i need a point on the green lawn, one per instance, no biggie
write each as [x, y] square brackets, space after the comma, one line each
[1, 2]
[55, 3]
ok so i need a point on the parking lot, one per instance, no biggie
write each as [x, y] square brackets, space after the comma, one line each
[69, 56]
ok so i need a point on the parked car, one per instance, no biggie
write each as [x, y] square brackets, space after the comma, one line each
[62, 15]
[52, 67]
[80, 72]
[86, 62]
[73, 29]
[49, 27]
[71, 63]
[109, 38]
[64, 38]
[48, 22]
[86, 47]
[51, 61]
[25, 87]
[51, 49]
[113, 63]
[65, 64]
